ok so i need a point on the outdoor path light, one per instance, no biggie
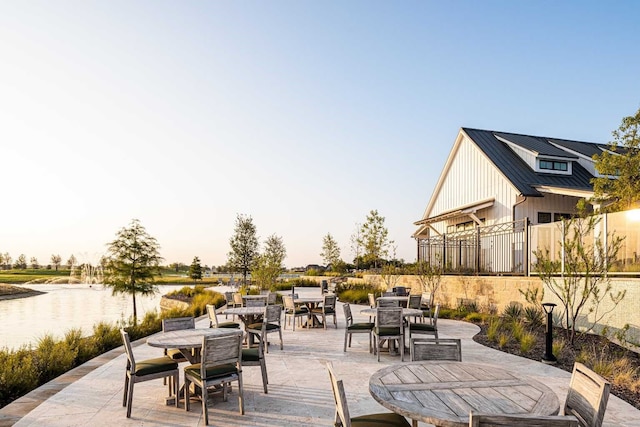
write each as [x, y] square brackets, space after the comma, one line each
[548, 357]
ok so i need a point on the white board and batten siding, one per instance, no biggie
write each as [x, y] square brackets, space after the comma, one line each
[552, 203]
[472, 177]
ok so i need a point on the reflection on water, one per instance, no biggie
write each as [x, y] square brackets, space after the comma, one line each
[63, 307]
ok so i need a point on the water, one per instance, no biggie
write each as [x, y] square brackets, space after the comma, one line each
[63, 307]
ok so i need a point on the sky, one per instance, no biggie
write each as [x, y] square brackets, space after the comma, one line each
[303, 115]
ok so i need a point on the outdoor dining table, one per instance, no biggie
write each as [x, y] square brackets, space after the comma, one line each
[442, 393]
[189, 342]
[310, 303]
[247, 315]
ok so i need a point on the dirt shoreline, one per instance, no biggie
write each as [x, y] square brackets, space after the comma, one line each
[14, 292]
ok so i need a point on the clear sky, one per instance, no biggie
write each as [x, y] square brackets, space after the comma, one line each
[304, 115]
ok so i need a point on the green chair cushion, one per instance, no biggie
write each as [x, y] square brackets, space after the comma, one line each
[422, 327]
[384, 331]
[153, 366]
[250, 355]
[175, 354]
[388, 419]
[270, 326]
[361, 327]
[228, 325]
[212, 372]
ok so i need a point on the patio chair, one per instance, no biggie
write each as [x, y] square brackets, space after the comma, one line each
[521, 420]
[435, 349]
[328, 307]
[272, 298]
[255, 357]
[587, 397]
[259, 302]
[292, 311]
[388, 303]
[237, 300]
[415, 302]
[424, 328]
[270, 323]
[355, 328]
[389, 294]
[389, 326]
[176, 324]
[372, 302]
[400, 291]
[343, 418]
[213, 319]
[228, 298]
[146, 370]
[221, 364]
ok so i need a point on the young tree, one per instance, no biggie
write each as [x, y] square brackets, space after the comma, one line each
[429, 275]
[330, 251]
[581, 282]
[374, 238]
[621, 167]
[72, 261]
[268, 266]
[34, 262]
[7, 259]
[356, 245]
[56, 260]
[244, 246]
[133, 262]
[21, 262]
[195, 270]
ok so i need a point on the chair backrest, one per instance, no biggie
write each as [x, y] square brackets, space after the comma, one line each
[389, 294]
[213, 317]
[400, 291]
[272, 298]
[258, 302]
[414, 301]
[587, 397]
[178, 323]
[372, 301]
[426, 299]
[492, 420]
[347, 313]
[228, 297]
[221, 350]
[329, 301]
[388, 303]
[389, 317]
[272, 313]
[237, 298]
[340, 398]
[434, 319]
[131, 361]
[289, 305]
[436, 349]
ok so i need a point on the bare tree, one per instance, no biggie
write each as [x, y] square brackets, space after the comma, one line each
[56, 260]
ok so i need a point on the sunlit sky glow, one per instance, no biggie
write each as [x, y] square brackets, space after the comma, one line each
[304, 115]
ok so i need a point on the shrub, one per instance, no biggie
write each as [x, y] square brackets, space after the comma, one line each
[513, 311]
[503, 340]
[527, 342]
[106, 337]
[495, 324]
[558, 347]
[80, 345]
[534, 316]
[52, 358]
[517, 329]
[198, 305]
[18, 374]
[475, 317]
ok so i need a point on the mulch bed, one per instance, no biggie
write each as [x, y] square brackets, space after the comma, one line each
[588, 342]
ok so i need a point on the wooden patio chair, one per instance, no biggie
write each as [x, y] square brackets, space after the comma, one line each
[176, 324]
[435, 349]
[146, 370]
[328, 307]
[343, 418]
[388, 326]
[255, 357]
[270, 323]
[355, 328]
[237, 300]
[415, 302]
[291, 311]
[213, 319]
[387, 303]
[521, 420]
[424, 328]
[587, 397]
[221, 364]
[259, 302]
[372, 303]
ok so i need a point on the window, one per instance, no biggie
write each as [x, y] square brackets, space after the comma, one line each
[561, 216]
[554, 166]
[462, 226]
[544, 217]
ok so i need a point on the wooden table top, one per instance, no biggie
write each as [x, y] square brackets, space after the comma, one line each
[442, 393]
[187, 338]
[406, 312]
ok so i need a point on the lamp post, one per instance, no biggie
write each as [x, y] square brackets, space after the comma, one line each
[548, 357]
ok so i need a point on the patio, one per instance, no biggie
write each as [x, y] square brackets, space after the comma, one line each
[299, 387]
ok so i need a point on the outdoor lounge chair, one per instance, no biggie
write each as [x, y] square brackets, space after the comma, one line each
[146, 370]
[343, 418]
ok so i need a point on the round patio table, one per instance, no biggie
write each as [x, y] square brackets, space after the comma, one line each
[442, 393]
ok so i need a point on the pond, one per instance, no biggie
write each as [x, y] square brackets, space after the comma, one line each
[62, 307]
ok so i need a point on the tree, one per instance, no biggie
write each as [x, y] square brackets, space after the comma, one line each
[330, 251]
[374, 238]
[620, 166]
[356, 245]
[580, 282]
[429, 275]
[34, 262]
[195, 270]
[244, 246]
[21, 262]
[56, 260]
[7, 259]
[268, 265]
[133, 260]
[72, 261]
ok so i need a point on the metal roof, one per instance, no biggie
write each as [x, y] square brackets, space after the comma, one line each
[523, 177]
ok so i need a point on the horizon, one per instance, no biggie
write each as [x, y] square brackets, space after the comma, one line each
[304, 116]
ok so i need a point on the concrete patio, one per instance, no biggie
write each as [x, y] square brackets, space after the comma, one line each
[299, 388]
